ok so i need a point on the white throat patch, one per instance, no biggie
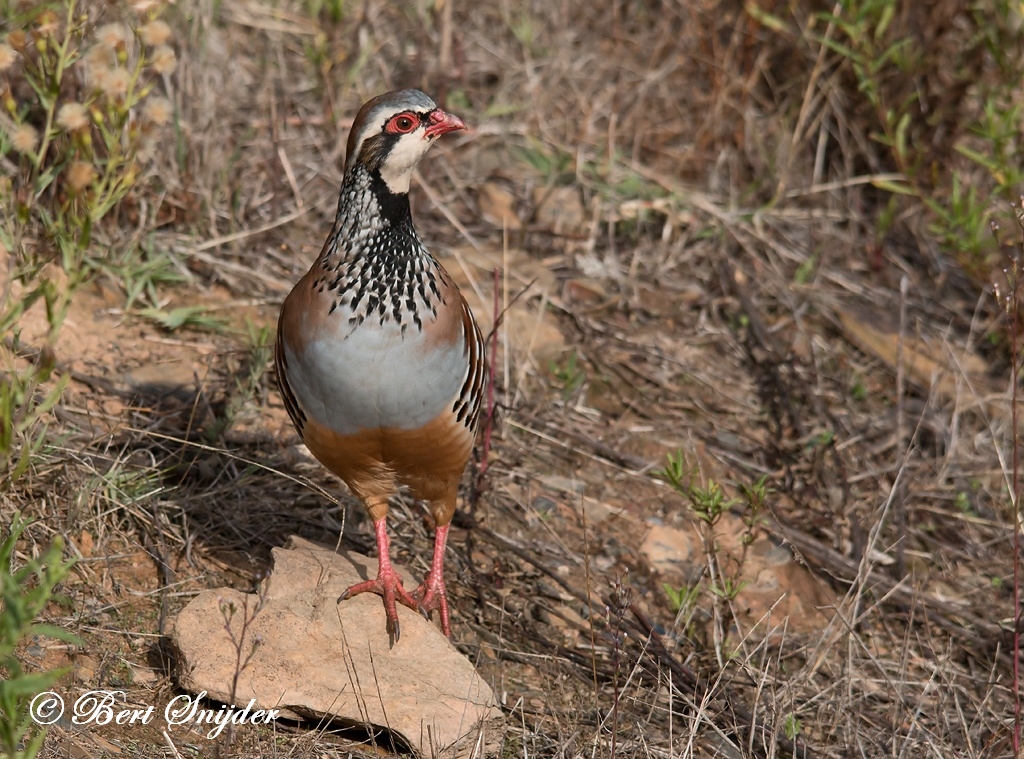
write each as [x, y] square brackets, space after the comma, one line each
[401, 161]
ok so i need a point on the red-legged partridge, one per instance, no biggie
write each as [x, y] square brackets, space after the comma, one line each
[379, 359]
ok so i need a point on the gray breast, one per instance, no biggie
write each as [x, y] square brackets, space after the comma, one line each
[376, 376]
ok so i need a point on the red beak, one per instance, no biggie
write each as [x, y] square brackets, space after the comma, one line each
[442, 123]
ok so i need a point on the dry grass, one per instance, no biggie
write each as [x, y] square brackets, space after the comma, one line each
[719, 237]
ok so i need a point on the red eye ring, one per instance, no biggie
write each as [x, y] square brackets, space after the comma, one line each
[403, 123]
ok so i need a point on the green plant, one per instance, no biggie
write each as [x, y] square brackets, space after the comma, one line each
[184, 317]
[858, 391]
[682, 598]
[891, 52]
[83, 161]
[330, 10]
[875, 50]
[806, 270]
[24, 593]
[998, 130]
[792, 726]
[962, 501]
[962, 219]
[140, 272]
[124, 484]
[523, 25]
[727, 588]
[260, 350]
[248, 379]
[961, 223]
[70, 156]
[569, 374]
[25, 404]
[709, 503]
[547, 160]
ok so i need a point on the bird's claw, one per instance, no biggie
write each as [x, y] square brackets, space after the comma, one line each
[430, 595]
[389, 587]
[394, 632]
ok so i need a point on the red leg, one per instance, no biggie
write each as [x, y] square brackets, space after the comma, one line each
[388, 584]
[431, 592]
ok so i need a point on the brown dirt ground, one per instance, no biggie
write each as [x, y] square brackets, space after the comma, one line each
[617, 172]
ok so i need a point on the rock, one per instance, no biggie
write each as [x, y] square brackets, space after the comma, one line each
[85, 669]
[319, 659]
[669, 550]
[933, 361]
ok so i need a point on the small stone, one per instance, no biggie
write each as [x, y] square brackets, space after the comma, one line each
[543, 505]
[85, 669]
[668, 549]
[603, 562]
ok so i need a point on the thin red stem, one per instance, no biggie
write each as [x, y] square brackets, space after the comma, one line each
[489, 419]
[1015, 288]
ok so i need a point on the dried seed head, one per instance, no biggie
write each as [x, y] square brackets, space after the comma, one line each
[155, 33]
[72, 117]
[142, 7]
[98, 76]
[157, 111]
[145, 151]
[47, 24]
[24, 138]
[80, 175]
[18, 39]
[163, 60]
[113, 36]
[7, 56]
[99, 57]
[114, 83]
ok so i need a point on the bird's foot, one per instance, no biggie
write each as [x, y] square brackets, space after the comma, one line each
[431, 595]
[387, 585]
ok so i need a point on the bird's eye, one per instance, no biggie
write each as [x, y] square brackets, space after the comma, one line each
[403, 123]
